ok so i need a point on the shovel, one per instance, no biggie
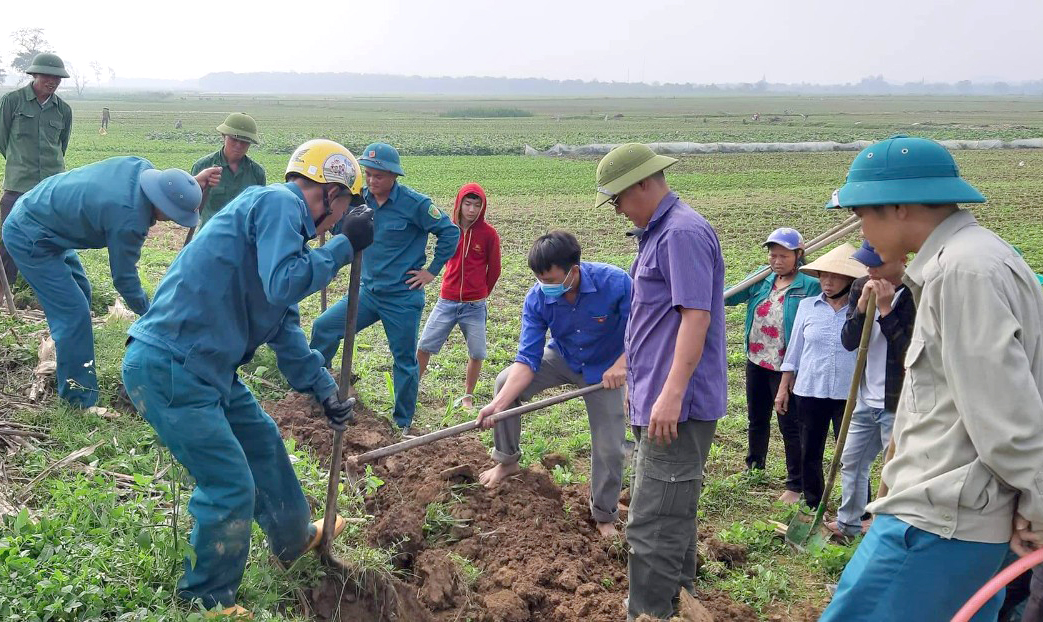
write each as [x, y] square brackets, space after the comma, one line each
[337, 459]
[390, 450]
[806, 527]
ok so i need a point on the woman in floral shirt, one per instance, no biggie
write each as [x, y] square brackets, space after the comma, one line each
[772, 307]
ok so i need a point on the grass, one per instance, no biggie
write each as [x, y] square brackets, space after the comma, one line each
[105, 549]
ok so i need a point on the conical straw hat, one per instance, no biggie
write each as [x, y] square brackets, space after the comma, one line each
[839, 260]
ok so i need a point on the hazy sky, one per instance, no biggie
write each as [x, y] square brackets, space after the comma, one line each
[825, 41]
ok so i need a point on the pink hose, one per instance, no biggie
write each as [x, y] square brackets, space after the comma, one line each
[995, 584]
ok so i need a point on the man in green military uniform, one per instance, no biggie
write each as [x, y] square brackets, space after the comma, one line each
[238, 171]
[35, 125]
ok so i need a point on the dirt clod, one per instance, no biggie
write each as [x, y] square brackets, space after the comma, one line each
[731, 555]
[505, 606]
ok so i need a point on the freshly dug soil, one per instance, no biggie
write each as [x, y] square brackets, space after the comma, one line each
[532, 544]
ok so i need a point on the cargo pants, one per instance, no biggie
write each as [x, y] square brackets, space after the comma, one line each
[662, 523]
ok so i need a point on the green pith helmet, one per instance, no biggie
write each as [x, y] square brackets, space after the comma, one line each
[240, 126]
[48, 64]
[382, 157]
[624, 166]
[904, 170]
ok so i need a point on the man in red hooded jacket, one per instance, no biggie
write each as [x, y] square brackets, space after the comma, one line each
[469, 279]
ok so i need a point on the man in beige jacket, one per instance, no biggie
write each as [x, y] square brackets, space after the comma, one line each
[967, 474]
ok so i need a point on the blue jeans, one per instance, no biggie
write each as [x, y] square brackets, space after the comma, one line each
[868, 434]
[61, 286]
[399, 312]
[233, 450]
[471, 316]
[900, 572]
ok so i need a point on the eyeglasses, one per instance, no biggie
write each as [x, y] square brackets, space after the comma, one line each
[613, 201]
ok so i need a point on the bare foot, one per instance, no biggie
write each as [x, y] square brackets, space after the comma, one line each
[497, 474]
[790, 497]
[467, 402]
[607, 530]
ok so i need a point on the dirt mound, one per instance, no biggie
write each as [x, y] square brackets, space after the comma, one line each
[526, 550]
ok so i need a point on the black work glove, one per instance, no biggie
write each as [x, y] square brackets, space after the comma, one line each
[358, 227]
[340, 413]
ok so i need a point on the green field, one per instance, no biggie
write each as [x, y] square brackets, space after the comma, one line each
[88, 546]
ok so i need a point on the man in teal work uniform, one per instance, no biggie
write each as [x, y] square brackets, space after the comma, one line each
[393, 274]
[234, 288]
[237, 170]
[109, 204]
[35, 125]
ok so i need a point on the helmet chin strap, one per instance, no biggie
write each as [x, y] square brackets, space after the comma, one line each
[327, 209]
[841, 294]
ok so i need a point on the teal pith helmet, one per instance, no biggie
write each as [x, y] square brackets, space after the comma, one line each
[904, 170]
[174, 192]
[382, 157]
[48, 64]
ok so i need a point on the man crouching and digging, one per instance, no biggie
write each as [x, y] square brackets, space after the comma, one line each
[585, 306]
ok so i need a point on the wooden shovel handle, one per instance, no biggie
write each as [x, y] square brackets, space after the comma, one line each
[407, 444]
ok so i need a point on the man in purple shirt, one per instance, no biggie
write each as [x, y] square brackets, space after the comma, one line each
[676, 371]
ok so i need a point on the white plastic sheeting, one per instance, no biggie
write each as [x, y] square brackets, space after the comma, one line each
[697, 148]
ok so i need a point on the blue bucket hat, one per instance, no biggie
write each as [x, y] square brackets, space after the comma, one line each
[174, 192]
[786, 237]
[867, 256]
[904, 170]
[382, 157]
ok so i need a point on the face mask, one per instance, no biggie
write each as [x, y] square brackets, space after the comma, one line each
[556, 290]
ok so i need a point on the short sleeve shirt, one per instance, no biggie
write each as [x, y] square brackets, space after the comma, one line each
[767, 341]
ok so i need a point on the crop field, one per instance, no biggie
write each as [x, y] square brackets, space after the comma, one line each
[100, 536]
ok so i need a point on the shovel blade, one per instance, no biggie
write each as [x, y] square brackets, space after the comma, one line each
[800, 529]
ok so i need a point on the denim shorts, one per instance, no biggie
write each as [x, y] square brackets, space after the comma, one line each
[471, 317]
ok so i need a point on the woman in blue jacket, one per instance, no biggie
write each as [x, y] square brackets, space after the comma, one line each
[771, 307]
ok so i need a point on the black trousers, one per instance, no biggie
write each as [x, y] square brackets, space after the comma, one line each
[6, 204]
[761, 386]
[815, 414]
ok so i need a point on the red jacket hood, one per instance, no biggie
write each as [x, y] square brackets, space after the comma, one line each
[466, 189]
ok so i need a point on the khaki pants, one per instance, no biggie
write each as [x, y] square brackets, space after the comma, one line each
[607, 432]
[662, 525]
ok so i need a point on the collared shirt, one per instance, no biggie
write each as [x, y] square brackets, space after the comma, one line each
[678, 266]
[400, 229]
[823, 365]
[969, 428]
[100, 205]
[587, 334]
[250, 173]
[236, 287]
[33, 137]
[894, 330]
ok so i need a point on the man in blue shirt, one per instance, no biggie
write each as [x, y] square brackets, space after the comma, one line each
[109, 204]
[585, 306]
[234, 288]
[393, 275]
